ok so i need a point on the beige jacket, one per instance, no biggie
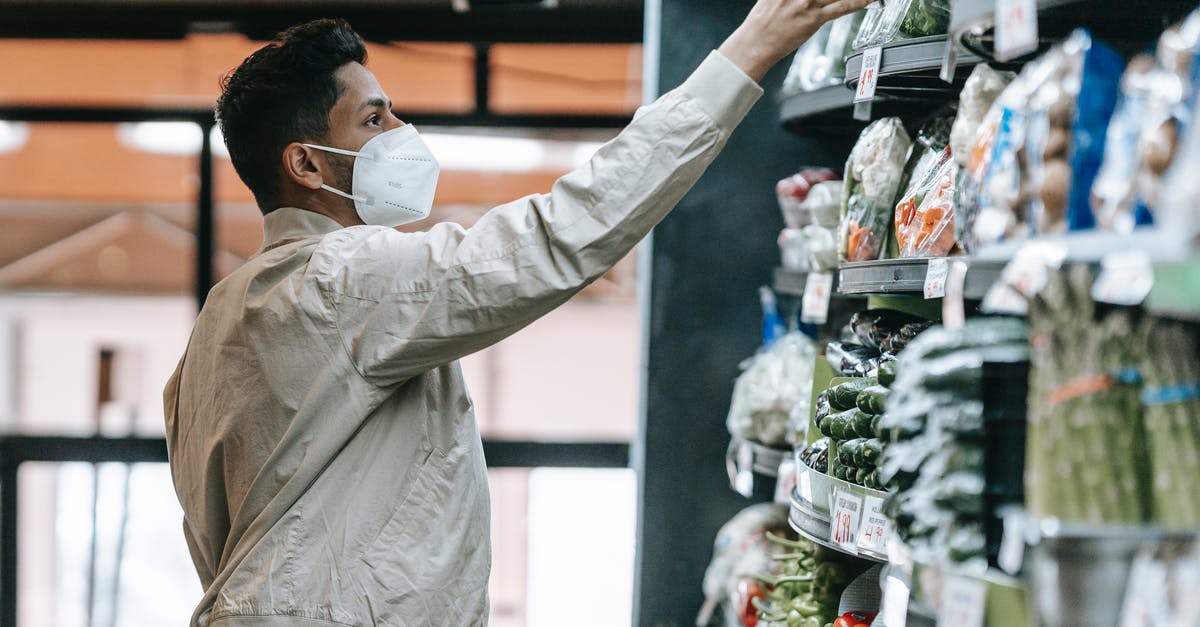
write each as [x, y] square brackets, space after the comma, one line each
[321, 438]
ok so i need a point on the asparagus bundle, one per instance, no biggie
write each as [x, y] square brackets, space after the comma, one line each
[1171, 415]
[1086, 455]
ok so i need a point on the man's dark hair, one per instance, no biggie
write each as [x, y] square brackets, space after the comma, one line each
[280, 94]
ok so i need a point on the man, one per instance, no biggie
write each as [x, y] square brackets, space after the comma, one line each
[321, 438]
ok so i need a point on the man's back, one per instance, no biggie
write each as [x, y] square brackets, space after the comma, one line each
[309, 491]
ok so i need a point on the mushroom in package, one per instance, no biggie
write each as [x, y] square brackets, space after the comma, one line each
[1069, 111]
[873, 175]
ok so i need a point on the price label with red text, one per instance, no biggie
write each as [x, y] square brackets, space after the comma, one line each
[1016, 28]
[935, 277]
[868, 77]
[873, 530]
[847, 510]
[814, 307]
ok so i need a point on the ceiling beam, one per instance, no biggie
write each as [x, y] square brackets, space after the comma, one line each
[600, 22]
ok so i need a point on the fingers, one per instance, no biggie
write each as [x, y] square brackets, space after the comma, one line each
[838, 8]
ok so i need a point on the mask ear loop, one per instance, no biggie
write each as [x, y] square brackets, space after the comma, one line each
[348, 153]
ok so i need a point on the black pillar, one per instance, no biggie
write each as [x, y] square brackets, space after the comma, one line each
[708, 259]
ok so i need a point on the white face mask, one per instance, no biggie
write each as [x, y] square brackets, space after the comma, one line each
[394, 177]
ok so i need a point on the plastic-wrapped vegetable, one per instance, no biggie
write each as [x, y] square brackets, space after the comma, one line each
[934, 421]
[877, 328]
[741, 552]
[1168, 114]
[1115, 197]
[905, 19]
[868, 30]
[925, 215]
[823, 203]
[802, 73]
[982, 88]
[794, 192]
[771, 384]
[850, 359]
[1077, 84]
[840, 44]
[873, 175]
[991, 194]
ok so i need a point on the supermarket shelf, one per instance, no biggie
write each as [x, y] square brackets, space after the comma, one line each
[831, 110]
[815, 526]
[911, 67]
[763, 460]
[886, 276]
[1127, 25]
[907, 276]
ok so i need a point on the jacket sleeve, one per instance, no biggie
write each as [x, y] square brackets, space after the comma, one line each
[406, 303]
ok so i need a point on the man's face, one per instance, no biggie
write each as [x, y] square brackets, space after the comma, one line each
[360, 113]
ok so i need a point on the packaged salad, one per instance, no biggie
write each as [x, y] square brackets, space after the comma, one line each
[925, 215]
[873, 176]
[905, 19]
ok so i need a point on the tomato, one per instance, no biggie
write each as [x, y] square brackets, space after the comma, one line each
[855, 619]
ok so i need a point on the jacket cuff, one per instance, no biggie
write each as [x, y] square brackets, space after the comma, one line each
[723, 90]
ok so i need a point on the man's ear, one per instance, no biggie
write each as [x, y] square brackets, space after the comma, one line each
[302, 166]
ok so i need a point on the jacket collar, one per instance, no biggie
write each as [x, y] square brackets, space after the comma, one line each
[291, 223]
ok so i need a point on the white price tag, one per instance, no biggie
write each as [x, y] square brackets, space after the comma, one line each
[868, 77]
[814, 308]
[935, 277]
[1016, 28]
[1126, 278]
[1024, 276]
[785, 485]
[847, 509]
[963, 602]
[804, 489]
[873, 531]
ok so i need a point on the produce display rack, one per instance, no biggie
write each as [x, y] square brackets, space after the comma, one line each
[910, 86]
[830, 109]
[1127, 25]
[815, 526]
[904, 276]
[764, 460]
[912, 67]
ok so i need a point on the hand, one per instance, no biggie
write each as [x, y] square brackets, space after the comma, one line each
[775, 28]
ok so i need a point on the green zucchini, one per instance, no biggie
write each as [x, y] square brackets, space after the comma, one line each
[844, 395]
[846, 453]
[872, 399]
[872, 451]
[850, 452]
[862, 424]
[824, 425]
[887, 373]
[876, 429]
[842, 425]
[873, 480]
[860, 477]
